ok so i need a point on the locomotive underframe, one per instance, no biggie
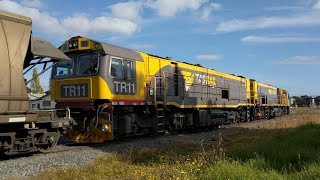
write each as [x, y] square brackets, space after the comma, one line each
[138, 120]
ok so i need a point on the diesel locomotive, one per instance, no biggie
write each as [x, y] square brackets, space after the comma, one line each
[113, 91]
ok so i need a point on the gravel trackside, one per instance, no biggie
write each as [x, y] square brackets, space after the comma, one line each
[79, 156]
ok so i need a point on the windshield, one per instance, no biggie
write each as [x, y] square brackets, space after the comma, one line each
[81, 65]
[87, 64]
[63, 69]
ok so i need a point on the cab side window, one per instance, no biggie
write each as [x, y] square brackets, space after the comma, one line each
[128, 67]
[116, 69]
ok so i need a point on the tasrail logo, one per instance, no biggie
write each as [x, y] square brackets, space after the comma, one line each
[272, 92]
[197, 78]
[205, 80]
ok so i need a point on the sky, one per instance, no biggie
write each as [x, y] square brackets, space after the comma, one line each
[272, 41]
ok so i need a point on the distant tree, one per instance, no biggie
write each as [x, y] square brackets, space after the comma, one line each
[307, 100]
[317, 101]
[303, 101]
[296, 101]
[28, 89]
[35, 83]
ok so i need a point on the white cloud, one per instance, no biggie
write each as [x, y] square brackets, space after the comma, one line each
[41, 20]
[317, 5]
[308, 19]
[82, 24]
[252, 55]
[121, 18]
[207, 10]
[215, 6]
[284, 8]
[127, 10]
[278, 39]
[169, 8]
[32, 3]
[76, 24]
[301, 60]
[209, 57]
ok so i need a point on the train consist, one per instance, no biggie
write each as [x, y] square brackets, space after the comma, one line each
[104, 92]
[113, 92]
[22, 131]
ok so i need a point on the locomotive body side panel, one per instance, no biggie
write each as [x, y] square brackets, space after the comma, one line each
[197, 87]
[267, 95]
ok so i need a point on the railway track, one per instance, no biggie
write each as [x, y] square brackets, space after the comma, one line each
[66, 155]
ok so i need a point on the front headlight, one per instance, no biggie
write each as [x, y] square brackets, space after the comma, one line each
[105, 128]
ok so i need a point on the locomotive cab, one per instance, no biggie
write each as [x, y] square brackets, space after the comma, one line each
[95, 64]
[99, 77]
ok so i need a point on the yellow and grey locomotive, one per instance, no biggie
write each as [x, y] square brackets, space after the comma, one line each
[114, 91]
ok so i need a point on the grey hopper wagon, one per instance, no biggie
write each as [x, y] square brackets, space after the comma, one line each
[22, 131]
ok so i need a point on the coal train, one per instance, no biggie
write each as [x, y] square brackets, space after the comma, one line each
[115, 92]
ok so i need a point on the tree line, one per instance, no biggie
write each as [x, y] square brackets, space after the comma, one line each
[305, 101]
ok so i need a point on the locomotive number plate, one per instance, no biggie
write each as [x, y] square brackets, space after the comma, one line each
[74, 90]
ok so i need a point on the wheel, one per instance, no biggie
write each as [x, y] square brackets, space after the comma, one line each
[248, 117]
[263, 113]
[52, 142]
[267, 113]
[238, 116]
[243, 116]
[174, 127]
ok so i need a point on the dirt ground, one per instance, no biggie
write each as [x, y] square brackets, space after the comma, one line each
[298, 117]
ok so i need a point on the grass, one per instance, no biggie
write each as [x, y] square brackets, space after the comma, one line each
[259, 153]
[285, 150]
